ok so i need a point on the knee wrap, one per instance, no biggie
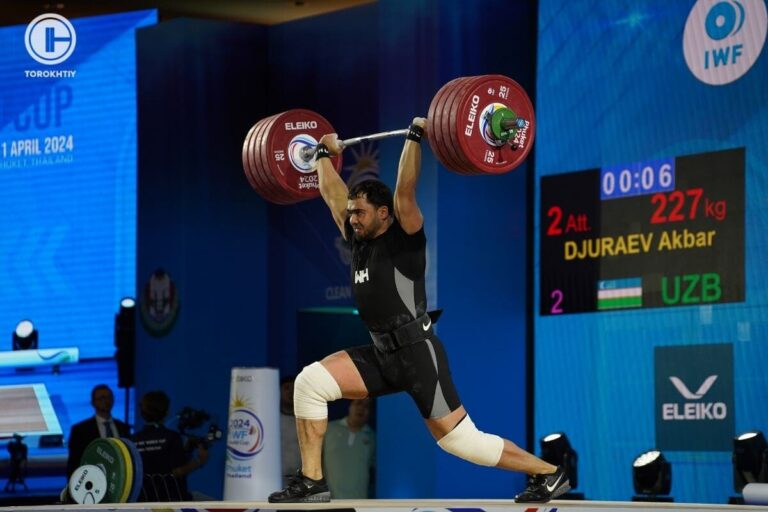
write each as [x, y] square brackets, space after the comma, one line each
[313, 389]
[468, 443]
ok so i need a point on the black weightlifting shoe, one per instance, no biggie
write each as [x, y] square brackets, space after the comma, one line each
[542, 488]
[301, 489]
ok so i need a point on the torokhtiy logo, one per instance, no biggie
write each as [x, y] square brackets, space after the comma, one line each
[700, 420]
[724, 38]
[50, 39]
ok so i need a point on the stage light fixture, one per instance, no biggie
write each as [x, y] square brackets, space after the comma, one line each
[25, 336]
[750, 459]
[125, 342]
[652, 477]
[556, 449]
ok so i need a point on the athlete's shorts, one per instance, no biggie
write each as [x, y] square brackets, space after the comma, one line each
[420, 369]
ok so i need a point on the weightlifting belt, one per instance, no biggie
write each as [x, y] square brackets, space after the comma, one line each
[412, 332]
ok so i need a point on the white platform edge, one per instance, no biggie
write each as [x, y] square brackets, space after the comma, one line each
[404, 506]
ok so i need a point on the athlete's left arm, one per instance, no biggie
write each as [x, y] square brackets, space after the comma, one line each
[406, 208]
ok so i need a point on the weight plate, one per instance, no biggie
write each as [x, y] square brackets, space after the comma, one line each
[280, 196]
[435, 133]
[87, 485]
[138, 470]
[448, 122]
[110, 458]
[128, 469]
[288, 134]
[246, 156]
[471, 124]
[268, 190]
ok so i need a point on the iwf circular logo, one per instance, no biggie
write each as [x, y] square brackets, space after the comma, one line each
[724, 38]
[245, 437]
[50, 39]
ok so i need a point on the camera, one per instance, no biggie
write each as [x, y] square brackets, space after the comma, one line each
[190, 419]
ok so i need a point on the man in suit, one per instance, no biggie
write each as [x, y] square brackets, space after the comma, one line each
[100, 425]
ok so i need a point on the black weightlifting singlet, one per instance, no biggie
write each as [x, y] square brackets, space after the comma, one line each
[388, 284]
[387, 276]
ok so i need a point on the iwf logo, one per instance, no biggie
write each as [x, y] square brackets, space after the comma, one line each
[245, 437]
[694, 397]
[50, 39]
[724, 38]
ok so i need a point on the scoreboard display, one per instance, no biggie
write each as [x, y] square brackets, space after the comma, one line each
[658, 233]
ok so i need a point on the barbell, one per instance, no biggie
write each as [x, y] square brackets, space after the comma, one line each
[475, 126]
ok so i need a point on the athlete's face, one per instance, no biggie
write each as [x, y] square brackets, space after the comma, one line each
[366, 220]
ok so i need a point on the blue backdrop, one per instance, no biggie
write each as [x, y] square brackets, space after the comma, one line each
[67, 230]
[614, 87]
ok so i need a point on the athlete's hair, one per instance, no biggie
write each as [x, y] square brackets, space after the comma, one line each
[154, 406]
[374, 191]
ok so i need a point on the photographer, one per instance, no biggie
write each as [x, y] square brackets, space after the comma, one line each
[162, 450]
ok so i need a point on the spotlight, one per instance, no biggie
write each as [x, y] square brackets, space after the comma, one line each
[127, 302]
[25, 336]
[557, 450]
[750, 459]
[652, 477]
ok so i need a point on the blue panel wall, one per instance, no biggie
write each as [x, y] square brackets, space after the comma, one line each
[201, 85]
[614, 87]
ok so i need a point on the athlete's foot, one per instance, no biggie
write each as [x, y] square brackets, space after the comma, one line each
[301, 489]
[542, 488]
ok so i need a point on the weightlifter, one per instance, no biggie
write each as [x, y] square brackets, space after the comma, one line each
[386, 234]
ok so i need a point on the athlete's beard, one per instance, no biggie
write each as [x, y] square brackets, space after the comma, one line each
[366, 232]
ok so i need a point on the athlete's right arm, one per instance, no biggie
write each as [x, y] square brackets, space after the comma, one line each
[332, 187]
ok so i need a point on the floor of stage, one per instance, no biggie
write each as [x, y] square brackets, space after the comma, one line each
[405, 506]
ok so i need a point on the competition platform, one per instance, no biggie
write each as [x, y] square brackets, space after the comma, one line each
[404, 506]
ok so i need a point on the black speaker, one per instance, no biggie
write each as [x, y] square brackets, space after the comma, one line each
[125, 341]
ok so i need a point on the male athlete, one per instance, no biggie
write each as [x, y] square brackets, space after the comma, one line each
[386, 234]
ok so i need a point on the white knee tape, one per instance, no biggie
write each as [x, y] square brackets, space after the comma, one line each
[313, 389]
[468, 443]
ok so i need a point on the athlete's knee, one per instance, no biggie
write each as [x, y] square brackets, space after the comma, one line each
[313, 389]
[467, 442]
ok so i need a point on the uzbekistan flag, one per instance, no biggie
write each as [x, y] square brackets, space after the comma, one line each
[620, 293]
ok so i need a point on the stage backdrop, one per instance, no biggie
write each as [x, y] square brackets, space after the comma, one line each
[67, 222]
[651, 231]
[243, 268]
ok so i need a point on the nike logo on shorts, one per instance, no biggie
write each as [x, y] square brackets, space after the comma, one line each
[427, 325]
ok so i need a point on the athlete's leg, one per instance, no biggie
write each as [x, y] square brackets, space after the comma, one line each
[469, 443]
[312, 422]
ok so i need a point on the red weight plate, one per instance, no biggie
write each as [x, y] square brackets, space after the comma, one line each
[435, 134]
[449, 126]
[276, 194]
[255, 177]
[486, 94]
[282, 196]
[288, 134]
[443, 126]
[267, 189]
[245, 156]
